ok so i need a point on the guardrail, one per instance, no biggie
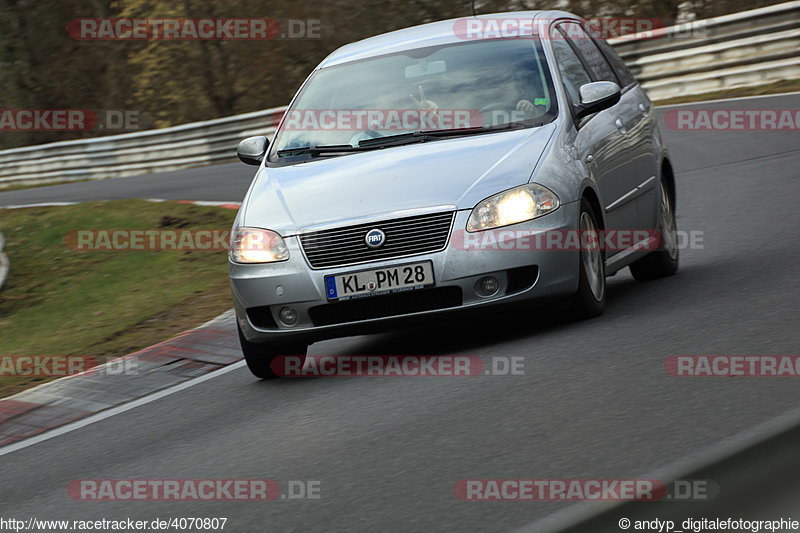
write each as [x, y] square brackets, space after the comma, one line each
[750, 475]
[743, 49]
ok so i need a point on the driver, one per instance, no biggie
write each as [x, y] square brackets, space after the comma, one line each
[523, 87]
[422, 102]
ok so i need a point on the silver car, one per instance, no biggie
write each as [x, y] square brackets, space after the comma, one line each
[426, 171]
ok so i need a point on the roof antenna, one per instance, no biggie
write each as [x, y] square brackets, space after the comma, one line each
[474, 13]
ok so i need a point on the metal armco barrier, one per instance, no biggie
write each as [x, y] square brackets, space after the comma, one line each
[130, 154]
[743, 49]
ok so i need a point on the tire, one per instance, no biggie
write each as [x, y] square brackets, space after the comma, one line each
[590, 299]
[259, 357]
[664, 261]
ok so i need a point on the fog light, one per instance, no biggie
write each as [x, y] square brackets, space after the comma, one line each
[488, 286]
[288, 316]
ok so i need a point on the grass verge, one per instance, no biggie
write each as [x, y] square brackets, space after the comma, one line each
[59, 301]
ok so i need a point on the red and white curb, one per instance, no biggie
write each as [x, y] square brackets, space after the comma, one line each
[194, 353]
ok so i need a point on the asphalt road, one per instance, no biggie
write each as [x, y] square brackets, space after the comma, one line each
[595, 401]
[226, 183]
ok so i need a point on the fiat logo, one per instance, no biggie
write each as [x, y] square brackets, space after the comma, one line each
[375, 238]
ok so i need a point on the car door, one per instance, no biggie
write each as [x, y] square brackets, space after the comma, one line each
[640, 123]
[602, 141]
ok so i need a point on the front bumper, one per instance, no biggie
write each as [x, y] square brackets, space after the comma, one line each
[261, 290]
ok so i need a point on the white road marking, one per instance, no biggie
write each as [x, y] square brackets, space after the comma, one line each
[62, 204]
[43, 204]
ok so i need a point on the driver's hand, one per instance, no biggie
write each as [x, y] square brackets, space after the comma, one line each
[422, 102]
[526, 106]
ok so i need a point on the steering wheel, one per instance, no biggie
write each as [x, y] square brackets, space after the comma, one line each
[496, 106]
[487, 112]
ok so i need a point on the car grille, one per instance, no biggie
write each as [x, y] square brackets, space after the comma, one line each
[385, 306]
[404, 236]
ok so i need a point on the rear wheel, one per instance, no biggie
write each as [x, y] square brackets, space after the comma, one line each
[664, 261]
[259, 357]
[590, 299]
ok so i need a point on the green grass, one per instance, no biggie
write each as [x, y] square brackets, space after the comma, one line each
[783, 86]
[58, 301]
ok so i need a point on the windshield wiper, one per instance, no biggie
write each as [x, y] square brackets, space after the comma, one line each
[399, 139]
[316, 150]
[428, 135]
[367, 144]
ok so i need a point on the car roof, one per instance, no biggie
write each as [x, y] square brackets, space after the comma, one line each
[431, 34]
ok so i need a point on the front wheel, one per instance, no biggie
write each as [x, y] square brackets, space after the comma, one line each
[590, 299]
[664, 261]
[259, 357]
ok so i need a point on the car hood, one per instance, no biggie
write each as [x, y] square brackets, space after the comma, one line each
[456, 172]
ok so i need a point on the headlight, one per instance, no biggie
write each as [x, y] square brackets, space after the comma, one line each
[514, 205]
[256, 245]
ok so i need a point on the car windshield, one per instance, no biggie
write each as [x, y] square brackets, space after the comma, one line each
[488, 84]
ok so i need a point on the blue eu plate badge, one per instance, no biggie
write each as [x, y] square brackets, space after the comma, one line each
[330, 287]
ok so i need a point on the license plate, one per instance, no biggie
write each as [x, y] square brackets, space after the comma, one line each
[379, 281]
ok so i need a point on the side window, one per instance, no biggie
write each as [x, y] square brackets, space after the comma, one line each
[573, 73]
[589, 51]
[624, 75]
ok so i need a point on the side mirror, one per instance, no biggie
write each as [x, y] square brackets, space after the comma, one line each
[252, 150]
[597, 96]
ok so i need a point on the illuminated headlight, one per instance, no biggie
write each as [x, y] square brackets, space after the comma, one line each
[512, 206]
[256, 245]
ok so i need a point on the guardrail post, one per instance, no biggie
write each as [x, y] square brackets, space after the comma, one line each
[4, 265]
